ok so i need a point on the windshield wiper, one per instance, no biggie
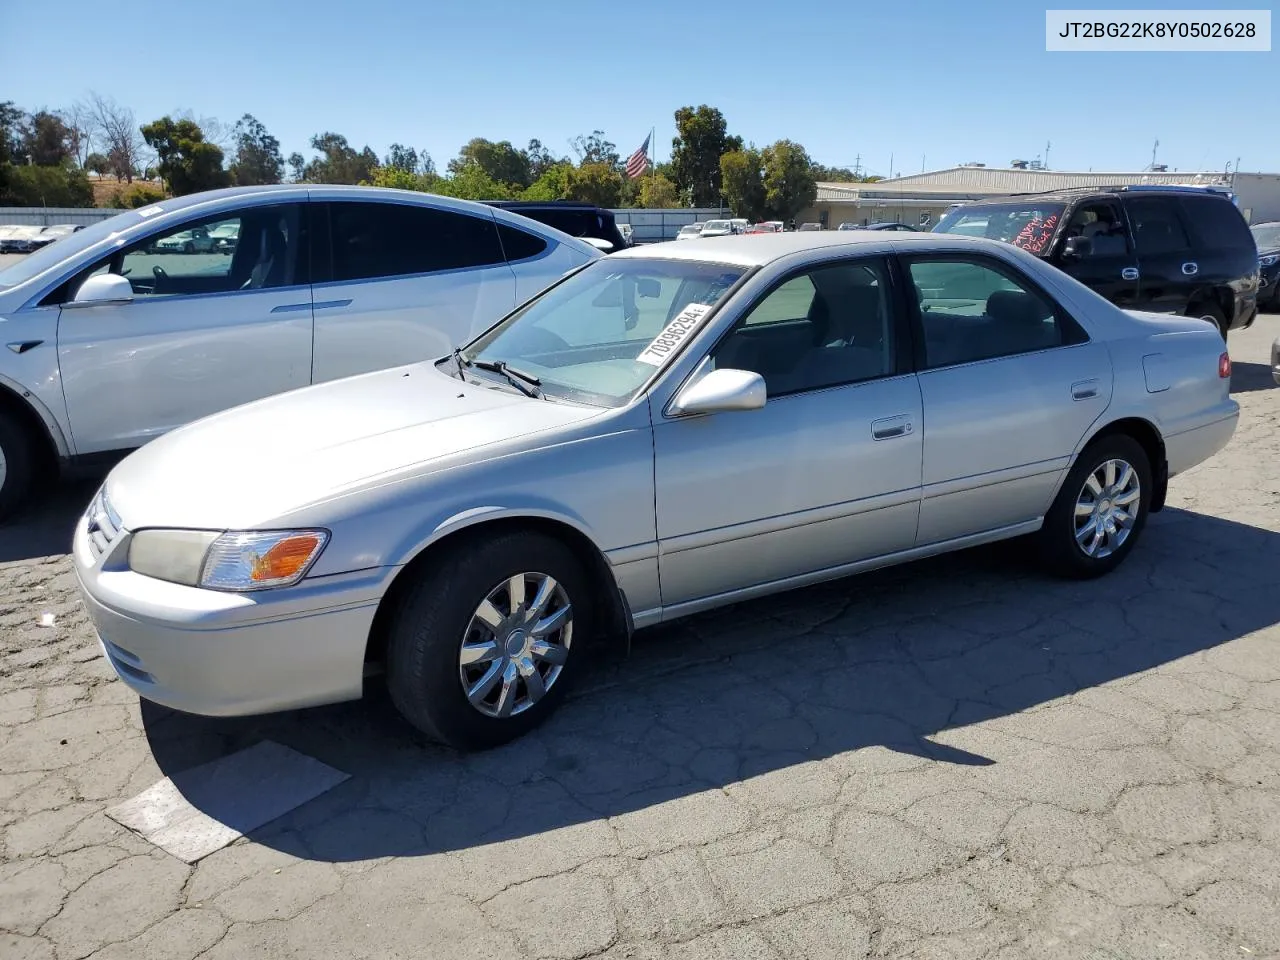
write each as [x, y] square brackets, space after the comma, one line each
[461, 361]
[526, 383]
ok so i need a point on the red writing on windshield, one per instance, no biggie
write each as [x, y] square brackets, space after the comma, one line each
[1034, 237]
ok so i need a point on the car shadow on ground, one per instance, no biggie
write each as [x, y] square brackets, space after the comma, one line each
[1248, 377]
[903, 660]
[46, 527]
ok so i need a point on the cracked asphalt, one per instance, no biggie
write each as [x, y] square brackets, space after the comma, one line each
[954, 759]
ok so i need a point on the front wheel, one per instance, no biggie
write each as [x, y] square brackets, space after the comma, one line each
[1100, 511]
[17, 465]
[483, 643]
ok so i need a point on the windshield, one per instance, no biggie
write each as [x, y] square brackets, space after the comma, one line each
[68, 246]
[598, 336]
[1029, 225]
[691, 228]
[716, 225]
[1266, 236]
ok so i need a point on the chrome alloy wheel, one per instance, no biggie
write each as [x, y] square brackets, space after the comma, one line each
[516, 644]
[1107, 508]
[4, 468]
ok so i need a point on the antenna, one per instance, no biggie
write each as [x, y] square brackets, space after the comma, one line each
[1047, 145]
[1154, 147]
[891, 166]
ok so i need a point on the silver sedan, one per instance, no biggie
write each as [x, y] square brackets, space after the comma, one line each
[668, 430]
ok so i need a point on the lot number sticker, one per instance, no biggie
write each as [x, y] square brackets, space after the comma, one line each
[676, 332]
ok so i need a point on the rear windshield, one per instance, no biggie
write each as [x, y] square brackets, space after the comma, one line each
[50, 256]
[1029, 225]
[1217, 223]
[1266, 235]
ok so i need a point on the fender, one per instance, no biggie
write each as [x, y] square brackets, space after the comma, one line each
[51, 425]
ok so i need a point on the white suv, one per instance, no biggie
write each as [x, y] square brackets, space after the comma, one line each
[115, 334]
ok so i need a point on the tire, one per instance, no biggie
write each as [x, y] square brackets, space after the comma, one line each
[17, 465]
[188, 247]
[439, 611]
[1212, 315]
[1061, 550]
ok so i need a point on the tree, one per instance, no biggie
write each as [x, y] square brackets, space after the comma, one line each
[401, 158]
[552, 183]
[469, 182]
[540, 160]
[702, 139]
[10, 132]
[188, 163]
[742, 182]
[117, 131]
[257, 154]
[297, 167]
[339, 162]
[397, 178]
[46, 141]
[33, 186]
[500, 162]
[834, 174]
[788, 180]
[595, 149]
[598, 183]
[658, 192]
[79, 121]
[97, 163]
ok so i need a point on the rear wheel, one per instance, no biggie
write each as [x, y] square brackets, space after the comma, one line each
[17, 464]
[483, 643]
[1214, 316]
[1100, 511]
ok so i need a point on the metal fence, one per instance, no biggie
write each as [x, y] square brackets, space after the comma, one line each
[48, 216]
[655, 225]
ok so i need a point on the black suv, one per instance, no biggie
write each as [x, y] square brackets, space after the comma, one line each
[583, 220]
[1184, 250]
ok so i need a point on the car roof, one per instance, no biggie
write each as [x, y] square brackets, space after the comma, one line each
[1067, 194]
[763, 248]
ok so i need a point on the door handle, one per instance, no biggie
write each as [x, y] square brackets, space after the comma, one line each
[1129, 273]
[889, 427]
[22, 346]
[1190, 269]
[1084, 390]
[291, 308]
[330, 304]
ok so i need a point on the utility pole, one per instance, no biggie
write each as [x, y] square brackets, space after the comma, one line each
[857, 165]
[1154, 148]
[1047, 145]
[891, 166]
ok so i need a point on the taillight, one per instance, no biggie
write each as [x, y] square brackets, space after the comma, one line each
[1224, 366]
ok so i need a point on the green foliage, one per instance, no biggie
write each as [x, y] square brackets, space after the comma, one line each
[552, 184]
[136, 196]
[788, 180]
[540, 160]
[188, 163]
[409, 160]
[595, 149]
[47, 141]
[702, 139]
[97, 163]
[469, 182]
[499, 162]
[657, 191]
[396, 178]
[10, 132]
[32, 186]
[338, 161]
[598, 183]
[742, 181]
[257, 158]
[297, 164]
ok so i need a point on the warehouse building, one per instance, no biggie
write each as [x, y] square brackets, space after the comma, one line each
[921, 199]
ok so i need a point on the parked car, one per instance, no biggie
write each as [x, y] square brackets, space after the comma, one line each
[1275, 360]
[20, 238]
[879, 225]
[717, 228]
[1179, 250]
[1266, 236]
[739, 224]
[585, 221]
[628, 233]
[767, 226]
[690, 231]
[807, 227]
[195, 240]
[664, 431]
[111, 346]
[225, 236]
[52, 234]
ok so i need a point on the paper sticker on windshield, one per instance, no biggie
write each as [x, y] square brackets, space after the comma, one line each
[150, 211]
[677, 331]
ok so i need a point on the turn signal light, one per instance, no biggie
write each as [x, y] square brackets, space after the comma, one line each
[285, 560]
[1224, 366]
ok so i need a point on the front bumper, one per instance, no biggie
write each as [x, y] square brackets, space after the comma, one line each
[226, 654]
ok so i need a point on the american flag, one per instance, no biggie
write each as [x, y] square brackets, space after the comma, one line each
[638, 162]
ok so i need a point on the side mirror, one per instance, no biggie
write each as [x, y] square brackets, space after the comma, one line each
[721, 391]
[1077, 247]
[104, 288]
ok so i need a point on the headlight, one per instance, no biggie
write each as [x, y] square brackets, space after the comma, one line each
[1269, 260]
[236, 560]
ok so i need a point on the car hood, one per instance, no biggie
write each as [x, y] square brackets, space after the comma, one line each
[244, 467]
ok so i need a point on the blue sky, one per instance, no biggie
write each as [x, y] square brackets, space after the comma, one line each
[933, 83]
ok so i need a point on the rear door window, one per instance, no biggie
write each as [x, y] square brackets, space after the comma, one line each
[519, 244]
[1216, 224]
[1157, 228]
[374, 240]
